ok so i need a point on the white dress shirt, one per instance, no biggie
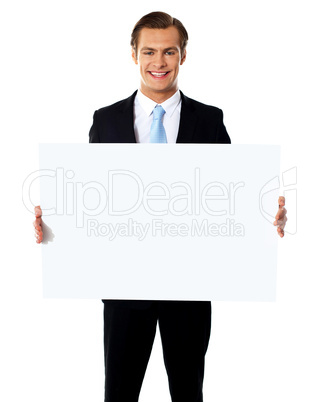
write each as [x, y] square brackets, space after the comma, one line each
[143, 116]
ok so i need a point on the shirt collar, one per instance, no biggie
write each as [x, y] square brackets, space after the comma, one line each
[148, 104]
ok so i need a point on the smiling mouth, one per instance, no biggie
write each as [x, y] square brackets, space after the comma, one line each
[158, 75]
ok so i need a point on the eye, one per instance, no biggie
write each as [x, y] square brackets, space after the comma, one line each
[148, 53]
[170, 53]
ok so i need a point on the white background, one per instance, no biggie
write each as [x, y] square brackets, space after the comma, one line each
[256, 60]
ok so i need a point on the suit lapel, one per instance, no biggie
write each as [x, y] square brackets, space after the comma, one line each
[125, 120]
[187, 122]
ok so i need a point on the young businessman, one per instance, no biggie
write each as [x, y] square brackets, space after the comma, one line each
[157, 112]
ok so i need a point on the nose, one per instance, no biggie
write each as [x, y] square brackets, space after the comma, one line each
[159, 61]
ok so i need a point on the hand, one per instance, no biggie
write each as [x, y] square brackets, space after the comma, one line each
[38, 224]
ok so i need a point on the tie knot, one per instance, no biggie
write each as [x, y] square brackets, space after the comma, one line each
[158, 112]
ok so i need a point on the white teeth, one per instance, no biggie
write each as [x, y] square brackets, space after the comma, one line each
[158, 74]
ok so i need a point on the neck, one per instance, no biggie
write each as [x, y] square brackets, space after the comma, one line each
[159, 97]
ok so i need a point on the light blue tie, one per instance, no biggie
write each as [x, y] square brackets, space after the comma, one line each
[157, 129]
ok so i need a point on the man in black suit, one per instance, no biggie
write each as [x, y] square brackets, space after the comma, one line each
[158, 48]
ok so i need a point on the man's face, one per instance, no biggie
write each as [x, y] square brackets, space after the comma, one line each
[159, 57]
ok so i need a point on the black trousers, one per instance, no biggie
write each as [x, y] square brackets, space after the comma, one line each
[129, 331]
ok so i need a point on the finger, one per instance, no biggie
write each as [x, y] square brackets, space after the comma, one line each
[38, 231]
[38, 211]
[39, 237]
[37, 222]
[37, 227]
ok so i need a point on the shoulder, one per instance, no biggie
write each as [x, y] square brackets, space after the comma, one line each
[115, 108]
[114, 123]
[203, 123]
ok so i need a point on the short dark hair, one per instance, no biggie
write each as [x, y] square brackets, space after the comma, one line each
[159, 20]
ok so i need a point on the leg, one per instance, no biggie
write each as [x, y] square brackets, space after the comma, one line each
[185, 332]
[129, 331]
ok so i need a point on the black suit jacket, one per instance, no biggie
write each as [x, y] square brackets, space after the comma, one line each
[199, 123]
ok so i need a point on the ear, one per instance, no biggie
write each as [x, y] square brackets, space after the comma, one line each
[183, 58]
[134, 56]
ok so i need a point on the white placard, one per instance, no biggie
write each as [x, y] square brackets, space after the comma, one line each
[159, 221]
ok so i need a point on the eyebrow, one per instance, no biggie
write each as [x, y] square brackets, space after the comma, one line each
[154, 50]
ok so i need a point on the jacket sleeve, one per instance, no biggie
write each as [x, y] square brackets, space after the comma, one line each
[94, 133]
[222, 135]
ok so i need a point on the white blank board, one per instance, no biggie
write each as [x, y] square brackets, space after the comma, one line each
[159, 221]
